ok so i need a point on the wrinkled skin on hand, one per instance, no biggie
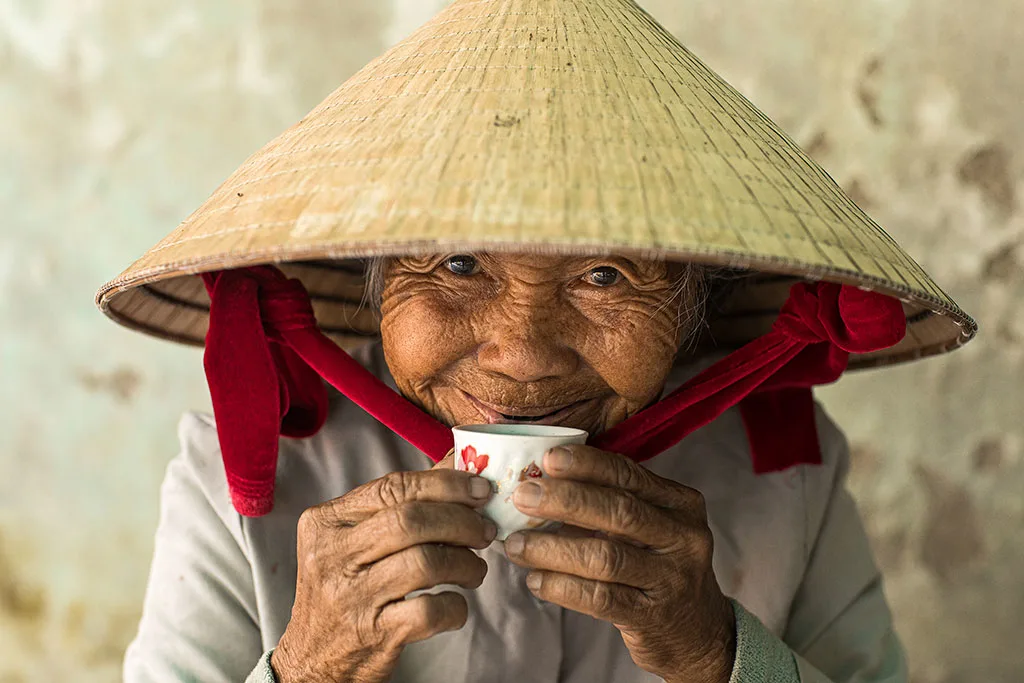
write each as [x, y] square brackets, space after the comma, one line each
[597, 335]
[361, 553]
[645, 566]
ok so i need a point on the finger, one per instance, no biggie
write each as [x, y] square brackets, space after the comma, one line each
[571, 531]
[600, 508]
[424, 616]
[403, 526]
[421, 567]
[589, 558]
[594, 466]
[611, 602]
[395, 488]
[590, 533]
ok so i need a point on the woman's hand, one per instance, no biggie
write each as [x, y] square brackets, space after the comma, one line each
[360, 554]
[647, 570]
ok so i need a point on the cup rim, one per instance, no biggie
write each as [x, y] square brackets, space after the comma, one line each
[528, 431]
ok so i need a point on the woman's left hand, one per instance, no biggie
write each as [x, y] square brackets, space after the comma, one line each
[647, 570]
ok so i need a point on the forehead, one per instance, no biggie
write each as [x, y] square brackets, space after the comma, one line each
[526, 260]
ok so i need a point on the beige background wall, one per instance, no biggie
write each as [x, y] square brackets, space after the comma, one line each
[117, 117]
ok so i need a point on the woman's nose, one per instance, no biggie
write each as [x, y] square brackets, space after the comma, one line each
[526, 343]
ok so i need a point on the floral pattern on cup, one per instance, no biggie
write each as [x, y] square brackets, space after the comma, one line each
[472, 462]
[531, 471]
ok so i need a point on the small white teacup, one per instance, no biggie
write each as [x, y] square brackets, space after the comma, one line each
[507, 454]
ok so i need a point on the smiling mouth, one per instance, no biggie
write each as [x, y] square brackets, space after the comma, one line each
[527, 418]
[496, 414]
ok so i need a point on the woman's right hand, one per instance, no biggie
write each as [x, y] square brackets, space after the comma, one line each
[360, 554]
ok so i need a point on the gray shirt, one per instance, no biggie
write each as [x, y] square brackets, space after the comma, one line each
[790, 550]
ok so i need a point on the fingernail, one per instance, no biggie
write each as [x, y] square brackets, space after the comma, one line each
[479, 487]
[490, 530]
[534, 580]
[514, 544]
[528, 494]
[558, 460]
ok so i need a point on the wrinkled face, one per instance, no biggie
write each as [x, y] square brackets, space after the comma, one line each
[569, 340]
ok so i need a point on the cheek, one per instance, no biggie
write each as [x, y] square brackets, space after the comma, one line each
[634, 354]
[637, 375]
[422, 333]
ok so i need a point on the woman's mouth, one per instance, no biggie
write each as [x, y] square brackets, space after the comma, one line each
[544, 415]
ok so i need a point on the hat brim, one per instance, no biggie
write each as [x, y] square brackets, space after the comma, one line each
[545, 125]
[173, 304]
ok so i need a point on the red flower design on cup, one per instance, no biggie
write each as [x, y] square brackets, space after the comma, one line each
[532, 471]
[472, 462]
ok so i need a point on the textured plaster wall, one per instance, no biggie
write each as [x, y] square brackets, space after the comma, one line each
[117, 117]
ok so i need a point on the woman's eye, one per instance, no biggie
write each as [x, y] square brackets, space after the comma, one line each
[461, 264]
[605, 276]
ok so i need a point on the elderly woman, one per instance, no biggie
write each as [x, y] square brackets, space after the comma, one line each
[646, 258]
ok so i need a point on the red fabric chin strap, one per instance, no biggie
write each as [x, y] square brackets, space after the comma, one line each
[265, 357]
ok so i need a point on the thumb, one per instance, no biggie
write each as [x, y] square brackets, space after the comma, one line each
[447, 463]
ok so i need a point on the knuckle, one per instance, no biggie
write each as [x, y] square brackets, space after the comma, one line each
[308, 545]
[695, 500]
[702, 545]
[608, 560]
[427, 561]
[309, 522]
[625, 512]
[349, 564]
[393, 488]
[602, 597]
[697, 545]
[630, 474]
[368, 629]
[348, 572]
[572, 499]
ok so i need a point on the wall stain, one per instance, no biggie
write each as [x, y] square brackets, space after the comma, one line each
[308, 48]
[988, 455]
[819, 145]
[952, 536]
[99, 634]
[1006, 334]
[856, 192]
[1002, 264]
[74, 620]
[867, 93]
[122, 382]
[20, 601]
[865, 464]
[890, 548]
[988, 170]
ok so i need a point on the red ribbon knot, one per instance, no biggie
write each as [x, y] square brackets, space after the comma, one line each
[265, 357]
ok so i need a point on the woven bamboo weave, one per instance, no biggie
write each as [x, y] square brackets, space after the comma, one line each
[555, 126]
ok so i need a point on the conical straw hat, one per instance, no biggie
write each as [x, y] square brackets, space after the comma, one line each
[558, 126]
